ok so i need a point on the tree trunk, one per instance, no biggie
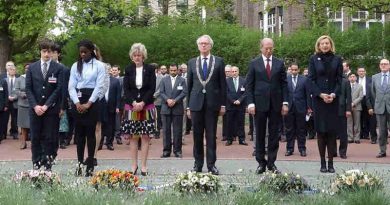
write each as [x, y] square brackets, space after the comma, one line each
[5, 51]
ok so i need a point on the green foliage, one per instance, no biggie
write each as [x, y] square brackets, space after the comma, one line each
[170, 41]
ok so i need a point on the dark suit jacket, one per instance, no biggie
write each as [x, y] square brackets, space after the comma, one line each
[166, 92]
[3, 94]
[300, 97]
[369, 97]
[131, 92]
[345, 98]
[114, 95]
[263, 91]
[215, 88]
[323, 79]
[65, 93]
[40, 91]
[233, 95]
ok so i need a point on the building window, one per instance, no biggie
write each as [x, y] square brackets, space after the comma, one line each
[261, 21]
[363, 19]
[280, 11]
[271, 21]
[181, 4]
[335, 18]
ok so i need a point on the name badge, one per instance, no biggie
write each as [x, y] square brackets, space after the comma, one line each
[79, 94]
[1, 88]
[242, 89]
[179, 87]
[52, 79]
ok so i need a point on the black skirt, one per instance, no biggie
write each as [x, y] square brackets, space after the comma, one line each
[92, 115]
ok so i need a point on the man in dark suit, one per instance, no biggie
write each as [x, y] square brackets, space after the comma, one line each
[235, 107]
[368, 122]
[12, 100]
[3, 107]
[228, 71]
[110, 107]
[206, 99]
[43, 87]
[299, 105]
[344, 111]
[268, 100]
[173, 89]
[115, 71]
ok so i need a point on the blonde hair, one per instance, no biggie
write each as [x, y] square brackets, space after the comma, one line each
[317, 46]
[138, 48]
[209, 39]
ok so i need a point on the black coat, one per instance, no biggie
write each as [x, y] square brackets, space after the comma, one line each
[131, 92]
[233, 95]
[300, 97]
[3, 94]
[325, 74]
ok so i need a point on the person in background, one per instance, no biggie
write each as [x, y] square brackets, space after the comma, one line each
[115, 72]
[157, 98]
[12, 110]
[23, 108]
[353, 121]
[3, 107]
[228, 74]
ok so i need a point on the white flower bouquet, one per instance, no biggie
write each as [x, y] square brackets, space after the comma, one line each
[354, 180]
[37, 178]
[193, 182]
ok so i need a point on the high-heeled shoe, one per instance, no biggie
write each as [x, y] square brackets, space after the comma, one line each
[79, 171]
[144, 173]
[135, 171]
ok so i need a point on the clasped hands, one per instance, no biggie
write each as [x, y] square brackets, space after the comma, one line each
[82, 108]
[138, 106]
[284, 111]
[327, 98]
[171, 102]
[40, 110]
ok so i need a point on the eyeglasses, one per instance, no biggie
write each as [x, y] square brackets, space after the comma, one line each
[383, 63]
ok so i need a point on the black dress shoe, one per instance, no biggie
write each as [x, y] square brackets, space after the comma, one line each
[357, 141]
[228, 143]
[303, 154]
[288, 153]
[243, 143]
[165, 155]
[373, 142]
[254, 153]
[323, 169]
[214, 170]
[196, 169]
[88, 172]
[178, 155]
[95, 162]
[343, 156]
[100, 147]
[187, 132]
[110, 147]
[274, 169]
[260, 169]
[350, 141]
[62, 146]
[119, 140]
[381, 155]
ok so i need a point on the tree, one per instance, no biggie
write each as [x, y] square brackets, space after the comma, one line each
[22, 23]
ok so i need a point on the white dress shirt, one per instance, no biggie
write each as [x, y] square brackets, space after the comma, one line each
[138, 77]
[362, 82]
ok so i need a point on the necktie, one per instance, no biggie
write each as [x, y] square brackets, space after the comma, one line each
[235, 84]
[294, 82]
[173, 82]
[268, 68]
[44, 70]
[204, 68]
[11, 85]
[384, 83]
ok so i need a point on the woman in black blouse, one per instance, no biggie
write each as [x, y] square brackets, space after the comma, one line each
[325, 72]
[139, 84]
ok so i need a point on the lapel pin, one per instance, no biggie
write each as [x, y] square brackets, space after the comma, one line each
[319, 59]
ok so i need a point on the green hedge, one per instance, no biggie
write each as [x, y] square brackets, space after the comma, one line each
[172, 41]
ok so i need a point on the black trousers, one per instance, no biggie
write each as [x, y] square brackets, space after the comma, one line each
[368, 123]
[188, 124]
[108, 128]
[85, 134]
[343, 135]
[310, 131]
[44, 138]
[251, 123]
[3, 125]
[274, 123]
[71, 123]
[172, 123]
[205, 125]
[295, 128]
[159, 122]
[13, 113]
[235, 122]
[224, 127]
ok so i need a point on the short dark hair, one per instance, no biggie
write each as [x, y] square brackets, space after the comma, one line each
[155, 65]
[173, 64]
[294, 63]
[116, 66]
[57, 48]
[349, 75]
[346, 62]
[46, 44]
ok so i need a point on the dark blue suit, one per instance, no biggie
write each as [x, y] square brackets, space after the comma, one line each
[109, 110]
[268, 95]
[235, 114]
[299, 103]
[44, 129]
[3, 106]
[368, 122]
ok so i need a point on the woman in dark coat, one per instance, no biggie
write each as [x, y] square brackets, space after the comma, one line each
[325, 73]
